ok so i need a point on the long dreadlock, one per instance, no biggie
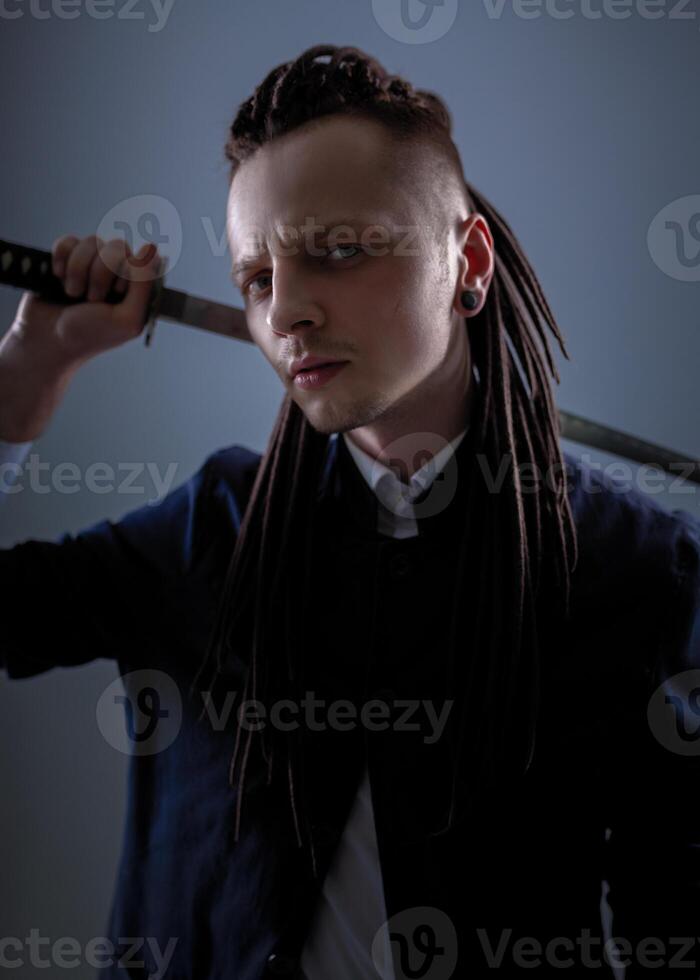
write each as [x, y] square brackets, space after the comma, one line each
[515, 415]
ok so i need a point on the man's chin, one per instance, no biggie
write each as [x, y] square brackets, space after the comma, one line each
[329, 418]
[323, 422]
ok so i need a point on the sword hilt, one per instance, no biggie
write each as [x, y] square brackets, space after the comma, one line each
[30, 268]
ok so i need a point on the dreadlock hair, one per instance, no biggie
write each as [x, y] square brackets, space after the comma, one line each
[518, 535]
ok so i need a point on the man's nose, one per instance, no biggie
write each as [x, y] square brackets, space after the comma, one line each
[293, 304]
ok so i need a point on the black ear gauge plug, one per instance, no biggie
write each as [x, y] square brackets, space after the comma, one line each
[470, 299]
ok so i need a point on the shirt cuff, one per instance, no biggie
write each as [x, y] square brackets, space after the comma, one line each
[13, 452]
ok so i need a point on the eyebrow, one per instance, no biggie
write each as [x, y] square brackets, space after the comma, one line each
[246, 264]
[249, 261]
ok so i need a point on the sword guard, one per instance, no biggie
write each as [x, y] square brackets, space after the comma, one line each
[154, 301]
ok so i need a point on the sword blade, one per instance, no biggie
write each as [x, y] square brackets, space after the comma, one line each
[618, 443]
[195, 311]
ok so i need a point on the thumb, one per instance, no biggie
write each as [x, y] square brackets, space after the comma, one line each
[143, 270]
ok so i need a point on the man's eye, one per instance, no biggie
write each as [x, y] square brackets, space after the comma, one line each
[355, 247]
[255, 280]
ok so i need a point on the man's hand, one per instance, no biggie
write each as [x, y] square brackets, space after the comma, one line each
[89, 267]
[48, 342]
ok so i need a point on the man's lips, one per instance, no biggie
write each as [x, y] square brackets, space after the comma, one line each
[319, 375]
[310, 361]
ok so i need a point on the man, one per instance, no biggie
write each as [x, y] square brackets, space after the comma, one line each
[390, 549]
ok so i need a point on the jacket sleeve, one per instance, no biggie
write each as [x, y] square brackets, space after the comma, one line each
[653, 846]
[134, 590]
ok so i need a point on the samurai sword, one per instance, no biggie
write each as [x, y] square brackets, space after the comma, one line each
[30, 268]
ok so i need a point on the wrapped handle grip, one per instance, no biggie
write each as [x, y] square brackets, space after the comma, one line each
[30, 268]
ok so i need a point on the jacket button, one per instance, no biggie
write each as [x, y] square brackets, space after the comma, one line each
[280, 965]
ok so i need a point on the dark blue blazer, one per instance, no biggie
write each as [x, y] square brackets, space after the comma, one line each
[606, 798]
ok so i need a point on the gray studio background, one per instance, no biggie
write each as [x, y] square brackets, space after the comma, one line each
[579, 129]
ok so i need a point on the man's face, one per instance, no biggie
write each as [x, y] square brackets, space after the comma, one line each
[346, 268]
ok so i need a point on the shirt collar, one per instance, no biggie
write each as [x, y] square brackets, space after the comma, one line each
[375, 471]
[391, 508]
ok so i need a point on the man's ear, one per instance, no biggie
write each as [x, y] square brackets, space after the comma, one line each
[477, 265]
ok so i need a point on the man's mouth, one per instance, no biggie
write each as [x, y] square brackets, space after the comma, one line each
[317, 366]
[310, 362]
[318, 375]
